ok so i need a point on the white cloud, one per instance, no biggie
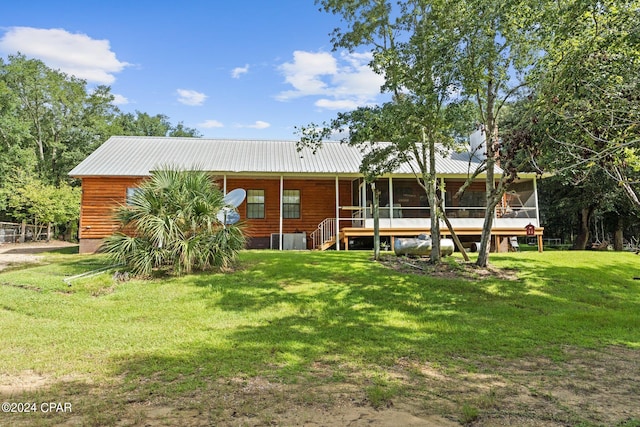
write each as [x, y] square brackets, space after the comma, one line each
[259, 124]
[344, 82]
[210, 124]
[191, 97]
[337, 104]
[238, 71]
[75, 54]
[119, 99]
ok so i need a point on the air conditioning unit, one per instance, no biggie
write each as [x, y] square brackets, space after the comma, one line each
[290, 241]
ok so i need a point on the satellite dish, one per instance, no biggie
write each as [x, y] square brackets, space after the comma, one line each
[228, 216]
[232, 218]
[235, 197]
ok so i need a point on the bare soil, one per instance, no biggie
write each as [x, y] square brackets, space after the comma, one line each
[12, 254]
[587, 388]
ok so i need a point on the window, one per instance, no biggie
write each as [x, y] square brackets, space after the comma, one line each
[131, 192]
[291, 204]
[255, 204]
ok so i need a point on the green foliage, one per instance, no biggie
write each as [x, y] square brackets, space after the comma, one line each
[36, 202]
[587, 100]
[49, 122]
[51, 114]
[143, 124]
[449, 53]
[174, 223]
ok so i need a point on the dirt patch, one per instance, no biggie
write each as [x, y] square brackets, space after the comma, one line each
[588, 387]
[26, 381]
[12, 254]
[452, 268]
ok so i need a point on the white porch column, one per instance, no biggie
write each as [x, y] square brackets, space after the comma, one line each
[224, 184]
[337, 214]
[281, 208]
[391, 203]
[443, 191]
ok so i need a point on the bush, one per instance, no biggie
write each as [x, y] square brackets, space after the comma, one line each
[173, 223]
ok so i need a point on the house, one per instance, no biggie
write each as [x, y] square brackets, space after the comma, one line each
[298, 199]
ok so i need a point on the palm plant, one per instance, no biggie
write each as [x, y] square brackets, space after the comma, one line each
[172, 222]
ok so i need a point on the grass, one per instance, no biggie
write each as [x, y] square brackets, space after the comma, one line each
[301, 317]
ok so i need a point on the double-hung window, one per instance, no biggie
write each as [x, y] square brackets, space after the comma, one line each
[255, 204]
[291, 204]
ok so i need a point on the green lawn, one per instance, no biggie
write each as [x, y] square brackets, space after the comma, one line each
[286, 316]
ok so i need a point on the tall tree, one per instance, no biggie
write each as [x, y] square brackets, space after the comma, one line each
[497, 44]
[588, 95]
[389, 136]
[443, 50]
[51, 113]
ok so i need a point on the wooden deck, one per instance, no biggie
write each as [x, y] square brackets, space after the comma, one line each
[498, 234]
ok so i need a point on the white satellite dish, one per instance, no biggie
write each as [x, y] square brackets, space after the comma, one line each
[228, 216]
[235, 197]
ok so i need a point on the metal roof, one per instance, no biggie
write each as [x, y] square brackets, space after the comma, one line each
[140, 155]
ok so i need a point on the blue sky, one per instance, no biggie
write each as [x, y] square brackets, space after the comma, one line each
[231, 69]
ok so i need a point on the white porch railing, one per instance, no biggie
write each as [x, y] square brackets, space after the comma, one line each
[325, 232]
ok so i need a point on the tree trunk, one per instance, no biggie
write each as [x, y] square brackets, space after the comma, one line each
[584, 235]
[490, 195]
[618, 237]
[435, 223]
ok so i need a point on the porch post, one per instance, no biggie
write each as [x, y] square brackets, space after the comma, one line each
[224, 184]
[443, 191]
[535, 194]
[540, 249]
[391, 203]
[280, 237]
[337, 214]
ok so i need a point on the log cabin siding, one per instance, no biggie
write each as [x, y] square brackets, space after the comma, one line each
[101, 195]
[317, 202]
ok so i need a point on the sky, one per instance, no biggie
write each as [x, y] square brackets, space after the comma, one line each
[242, 69]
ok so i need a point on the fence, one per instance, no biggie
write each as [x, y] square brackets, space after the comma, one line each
[12, 232]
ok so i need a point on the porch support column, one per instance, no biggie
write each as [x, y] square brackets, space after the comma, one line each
[337, 214]
[280, 237]
[391, 203]
[224, 184]
[443, 191]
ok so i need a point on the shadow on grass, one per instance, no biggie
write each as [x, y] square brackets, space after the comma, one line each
[351, 315]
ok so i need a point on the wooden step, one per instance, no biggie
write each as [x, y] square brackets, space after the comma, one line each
[326, 245]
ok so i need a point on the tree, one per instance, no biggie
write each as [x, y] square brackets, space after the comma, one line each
[410, 48]
[50, 113]
[41, 204]
[587, 100]
[172, 221]
[143, 124]
[390, 135]
[497, 44]
[449, 50]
